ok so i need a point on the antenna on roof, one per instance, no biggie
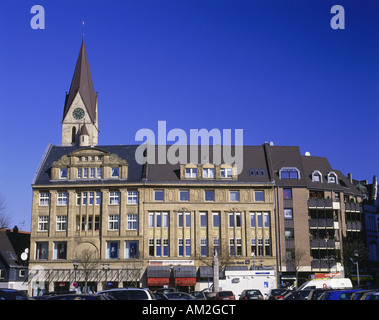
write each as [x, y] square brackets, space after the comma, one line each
[83, 29]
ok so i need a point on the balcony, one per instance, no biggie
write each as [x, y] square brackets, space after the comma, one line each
[323, 264]
[322, 244]
[351, 206]
[320, 203]
[321, 223]
[353, 226]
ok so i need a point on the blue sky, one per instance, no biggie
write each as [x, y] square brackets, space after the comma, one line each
[275, 69]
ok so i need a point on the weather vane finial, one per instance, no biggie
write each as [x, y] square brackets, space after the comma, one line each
[83, 29]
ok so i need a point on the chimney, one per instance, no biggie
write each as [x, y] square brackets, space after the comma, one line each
[15, 229]
[350, 177]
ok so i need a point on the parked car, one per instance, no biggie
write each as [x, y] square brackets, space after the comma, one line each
[165, 290]
[89, 296]
[160, 296]
[47, 295]
[359, 294]
[13, 294]
[315, 294]
[199, 295]
[252, 294]
[337, 295]
[298, 295]
[276, 294]
[180, 296]
[129, 293]
[225, 295]
[370, 295]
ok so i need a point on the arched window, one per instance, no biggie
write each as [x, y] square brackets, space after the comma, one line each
[289, 173]
[332, 177]
[73, 137]
[316, 176]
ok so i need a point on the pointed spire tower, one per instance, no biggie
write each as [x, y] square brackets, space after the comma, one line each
[80, 105]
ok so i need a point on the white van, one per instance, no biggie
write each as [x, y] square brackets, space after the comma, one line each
[333, 283]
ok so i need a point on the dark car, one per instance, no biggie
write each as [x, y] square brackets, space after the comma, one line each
[47, 295]
[13, 294]
[225, 295]
[129, 294]
[180, 296]
[80, 297]
[276, 294]
[199, 295]
[252, 294]
[160, 295]
[298, 295]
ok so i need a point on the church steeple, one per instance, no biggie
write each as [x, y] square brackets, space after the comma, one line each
[80, 104]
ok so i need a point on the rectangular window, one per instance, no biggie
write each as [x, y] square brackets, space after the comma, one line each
[216, 219]
[60, 251]
[203, 247]
[252, 220]
[234, 196]
[115, 172]
[165, 220]
[231, 220]
[287, 194]
[184, 195]
[259, 219]
[92, 172]
[259, 196]
[254, 246]
[158, 195]
[188, 219]
[216, 245]
[209, 195]
[158, 247]
[113, 250]
[99, 172]
[288, 213]
[266, 218]
[191, 172]
[131, 222]
[42, 250]
[180, 220]
[63, 173]
[113, 222]
[238, 219]
[260, 247]
[239, 247]
[61, 223]
[114, 197]
[85, 173]
[188, 247]
[208, 173]
[97, 223]
[151, 219]
[80, 173]
[203, 219]
[78, 199]
[232, 248]
[44, 199]
[132, 197]
[84, 199]
[98, 198]
[62, 198]
[180, 247]
[151, 247]
[91, 198]
[165, 247]
[267, 247]
[158, 219]
[43, 223]
[90, 223]
[226, 172]
[289, 233]
[131, 249]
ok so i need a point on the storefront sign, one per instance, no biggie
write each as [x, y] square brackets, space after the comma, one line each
[158, 281]
[185, 281]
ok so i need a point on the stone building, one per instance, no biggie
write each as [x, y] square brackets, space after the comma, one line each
[159, 224]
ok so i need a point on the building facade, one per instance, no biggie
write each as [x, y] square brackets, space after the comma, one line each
[160, 224]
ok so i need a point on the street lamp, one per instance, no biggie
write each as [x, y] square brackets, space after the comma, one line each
[356, 263]
[76, 265]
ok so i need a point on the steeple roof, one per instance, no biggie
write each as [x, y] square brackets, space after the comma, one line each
[82, 83]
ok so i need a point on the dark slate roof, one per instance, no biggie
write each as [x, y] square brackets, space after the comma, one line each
[56, 152]
[12, 244]
[82, 83]
[253, 158]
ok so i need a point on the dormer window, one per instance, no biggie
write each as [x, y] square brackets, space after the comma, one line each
[316, 176]
[226, 173]
[289, 173]
[332, 177]
[115, 172]
[63, 173]
[191, 172]
[208, 172]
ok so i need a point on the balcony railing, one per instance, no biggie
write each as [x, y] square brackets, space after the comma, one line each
[353, 226]
[322, 244]
[351, 206]
[321, 223]
[320, 203]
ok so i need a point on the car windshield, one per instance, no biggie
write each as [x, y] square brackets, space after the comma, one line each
[253, 292]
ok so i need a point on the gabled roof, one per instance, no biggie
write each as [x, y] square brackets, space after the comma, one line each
[82, 83]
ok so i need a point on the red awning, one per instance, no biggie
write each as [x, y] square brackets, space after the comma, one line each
[158, 281]
[185, 281]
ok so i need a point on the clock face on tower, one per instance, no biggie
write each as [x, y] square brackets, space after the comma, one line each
[78, 113]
